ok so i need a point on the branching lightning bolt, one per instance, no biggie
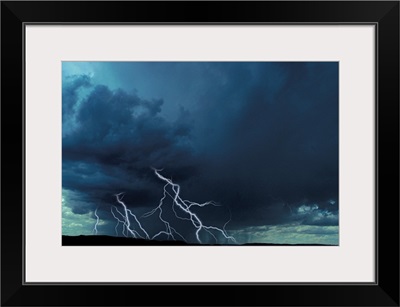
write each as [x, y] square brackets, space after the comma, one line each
[169, 231]
[126, 221]
[185, 207]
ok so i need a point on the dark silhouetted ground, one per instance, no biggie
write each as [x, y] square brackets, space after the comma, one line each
[123, 241]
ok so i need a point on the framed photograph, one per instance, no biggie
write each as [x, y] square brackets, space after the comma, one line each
[247, 150]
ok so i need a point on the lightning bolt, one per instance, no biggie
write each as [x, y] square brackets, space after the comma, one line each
[118, 222]
[184, 206]
[169, 231]
[126, 222]
[97, 222]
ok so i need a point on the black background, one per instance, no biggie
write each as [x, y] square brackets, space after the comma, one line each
[384, 293]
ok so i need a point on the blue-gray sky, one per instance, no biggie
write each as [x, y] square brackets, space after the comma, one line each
[258, 138]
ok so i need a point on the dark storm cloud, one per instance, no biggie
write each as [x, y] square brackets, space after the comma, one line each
[271, 133]
[71, 86]
[259, 138]
[316, 215]
[114, 139]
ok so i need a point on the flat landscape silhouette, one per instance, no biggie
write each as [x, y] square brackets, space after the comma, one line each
[101, 240]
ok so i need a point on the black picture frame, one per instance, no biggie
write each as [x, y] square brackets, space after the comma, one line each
[383, 14]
